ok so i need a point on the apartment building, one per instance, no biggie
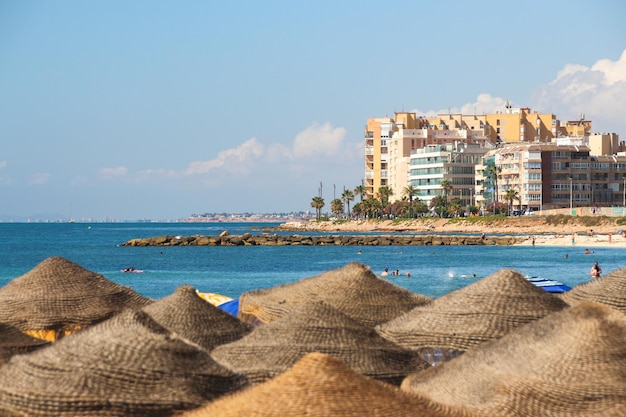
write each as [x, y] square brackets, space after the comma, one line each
[390, 141]
[550, 164]
[430, 165]
[519, 124]
[550, 176]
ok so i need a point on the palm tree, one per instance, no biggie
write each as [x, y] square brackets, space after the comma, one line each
[318, 203]
[336, 206]
[360, 190]
[347, 196]
[384, 193]
[446, 186]
[493, 172]
[510, 195]
[410, 191]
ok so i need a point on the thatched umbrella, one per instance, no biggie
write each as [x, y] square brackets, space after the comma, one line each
[316, 327]
[609, 290]
[128, 365]
[482, 311]
[320, 385]
[353, 289]
[189, 316]
[569, 363]
[59, 297]
[13, 342]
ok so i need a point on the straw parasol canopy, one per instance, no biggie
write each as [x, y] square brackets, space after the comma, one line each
[128, 365]
[482, 311]
[321, 385]
[316, 327]
[609, 290]
[198, 321]
[13, 342]
[59, 297]
[353, 289]
[569, 363]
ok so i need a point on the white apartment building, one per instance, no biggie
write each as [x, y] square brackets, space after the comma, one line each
[457, 162]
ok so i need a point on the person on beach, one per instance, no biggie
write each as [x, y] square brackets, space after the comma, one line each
[595, 271]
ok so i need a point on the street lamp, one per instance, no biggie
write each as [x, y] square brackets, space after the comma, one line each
[570, 195]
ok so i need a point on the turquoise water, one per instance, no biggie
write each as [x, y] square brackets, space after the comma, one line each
[435, 271]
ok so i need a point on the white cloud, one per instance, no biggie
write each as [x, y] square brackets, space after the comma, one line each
[39, 178]
[3, 164]
[115, 172]
[233, 160]
[598, 92]
[318, 140]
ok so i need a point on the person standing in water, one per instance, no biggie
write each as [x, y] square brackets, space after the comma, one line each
[595, 271]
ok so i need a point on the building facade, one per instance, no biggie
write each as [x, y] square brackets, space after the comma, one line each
[390, 141]
[456, 163]
[551, 176]
[548, 164]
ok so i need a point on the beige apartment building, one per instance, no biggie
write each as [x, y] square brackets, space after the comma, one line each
[390, 141]
[550, 164]
[519, 124]
[551, 176]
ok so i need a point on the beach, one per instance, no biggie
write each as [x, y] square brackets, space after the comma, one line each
[581, 231]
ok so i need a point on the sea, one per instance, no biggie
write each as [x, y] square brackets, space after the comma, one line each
[234, 270]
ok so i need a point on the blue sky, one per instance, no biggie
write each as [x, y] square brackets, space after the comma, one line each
[151, 109]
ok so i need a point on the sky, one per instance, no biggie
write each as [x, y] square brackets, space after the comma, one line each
[127, 110]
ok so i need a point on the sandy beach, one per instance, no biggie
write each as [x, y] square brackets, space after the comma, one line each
[584, 232]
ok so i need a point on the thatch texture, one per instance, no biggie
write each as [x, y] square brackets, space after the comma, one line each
[569, 363]
[320, 385]
[13, 342]
[195, 319]
[353, 289]
[316, 327]
[482, 311]
[609, 290]
[59, 297]
[128, 365]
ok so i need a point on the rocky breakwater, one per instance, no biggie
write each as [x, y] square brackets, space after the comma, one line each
[292, 240]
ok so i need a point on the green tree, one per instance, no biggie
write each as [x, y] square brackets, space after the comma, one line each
[420, 207]
[410, 191]
[372, 208]
[446, 186]
[384, 193]
[360, 190]
[336, 206]
[510, 195]
[357, 210]
[318, 204]
[440, 205]
[347, 196]
[454, 207]
[493, 172]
